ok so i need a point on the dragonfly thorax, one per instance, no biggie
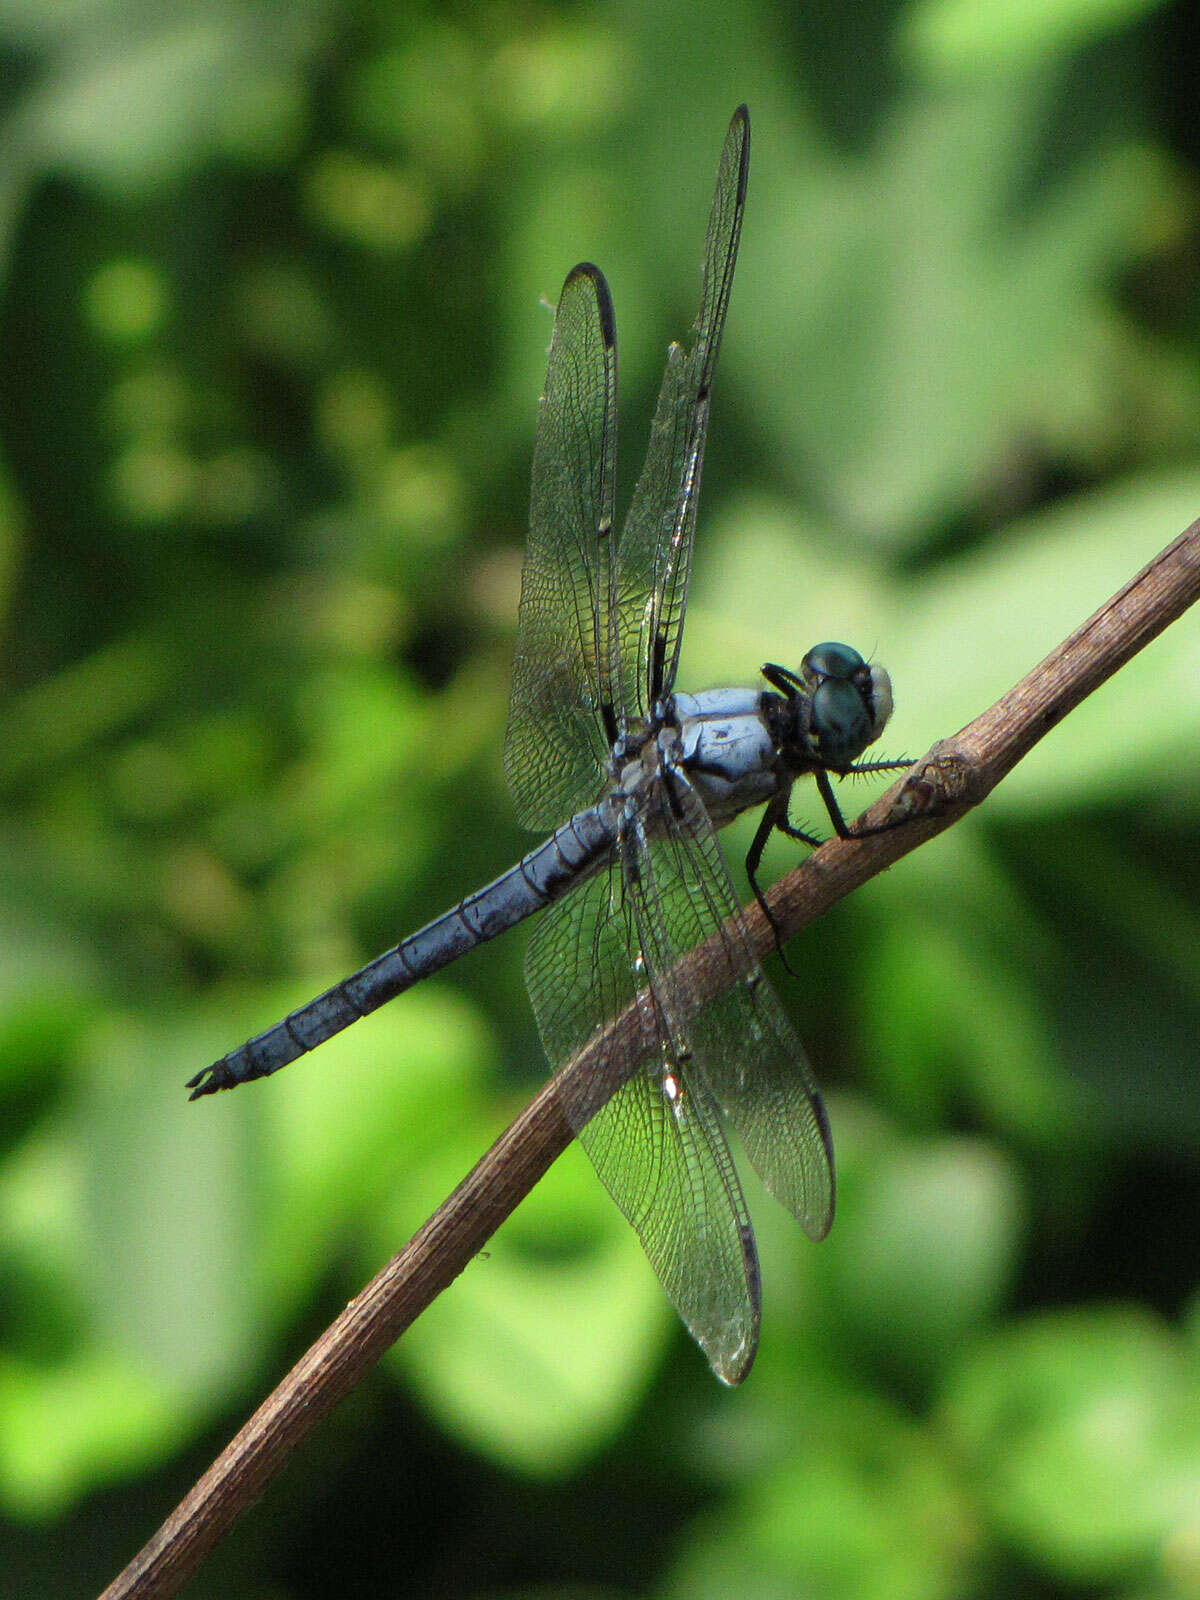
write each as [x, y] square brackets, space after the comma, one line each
[638, 756]
[728, 748]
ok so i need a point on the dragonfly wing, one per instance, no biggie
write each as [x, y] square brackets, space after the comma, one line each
[557, 743]
[657, 1143]
[654, 556]
[744, 1045]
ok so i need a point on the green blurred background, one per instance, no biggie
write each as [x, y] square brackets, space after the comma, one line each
[272, 338]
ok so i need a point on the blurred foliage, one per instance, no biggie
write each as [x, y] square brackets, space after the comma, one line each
[272, 344]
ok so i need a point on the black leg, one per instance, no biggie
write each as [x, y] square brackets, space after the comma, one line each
[825, 789]
[799, 834]
[840, 826]
[754, 856]
[770, 821]
[879, 766]
[780, 678]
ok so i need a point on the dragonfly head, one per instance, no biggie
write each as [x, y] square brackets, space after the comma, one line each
[850, 702]
[840, 703]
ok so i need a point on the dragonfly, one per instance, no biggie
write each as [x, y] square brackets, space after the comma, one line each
[634, 880]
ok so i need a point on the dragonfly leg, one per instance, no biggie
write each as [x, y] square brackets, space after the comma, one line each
[775, 816]
[799, 834]
[880, 766]
[840, 826]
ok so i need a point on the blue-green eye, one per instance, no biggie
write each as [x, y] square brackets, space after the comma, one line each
[832, 660]
[841, 720]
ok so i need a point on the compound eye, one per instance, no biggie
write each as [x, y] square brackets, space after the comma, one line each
[841, 721]
[831, 660]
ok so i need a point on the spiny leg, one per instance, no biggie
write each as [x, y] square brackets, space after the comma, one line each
[840, 825]
[775, 816]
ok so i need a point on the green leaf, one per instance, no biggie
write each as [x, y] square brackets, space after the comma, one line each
[925, 1246]
[132, 105]
[952, 1005]
[931, 285]
[967, 634]
[364, 1121]
[539, 1352]
[977, 36]
[95, 1418]
[864, 1506]
[170, 1210]
[1080, 1432]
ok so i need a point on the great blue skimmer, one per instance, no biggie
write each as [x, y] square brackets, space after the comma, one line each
[635, 880]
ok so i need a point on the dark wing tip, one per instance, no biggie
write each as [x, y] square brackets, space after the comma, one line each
[731, 1363]
[739, 123]
[818, 1227]
[586, 270]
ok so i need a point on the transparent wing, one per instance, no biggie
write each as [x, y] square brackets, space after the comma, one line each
[743, 1044]
[557, 743]
[624, 937]
[654, 555]
[657, 1145]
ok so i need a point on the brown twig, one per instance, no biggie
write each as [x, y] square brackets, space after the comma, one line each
[956, 774]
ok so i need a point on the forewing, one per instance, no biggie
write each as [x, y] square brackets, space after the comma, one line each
[655, 551]
[556, 745]
[657, 1143]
